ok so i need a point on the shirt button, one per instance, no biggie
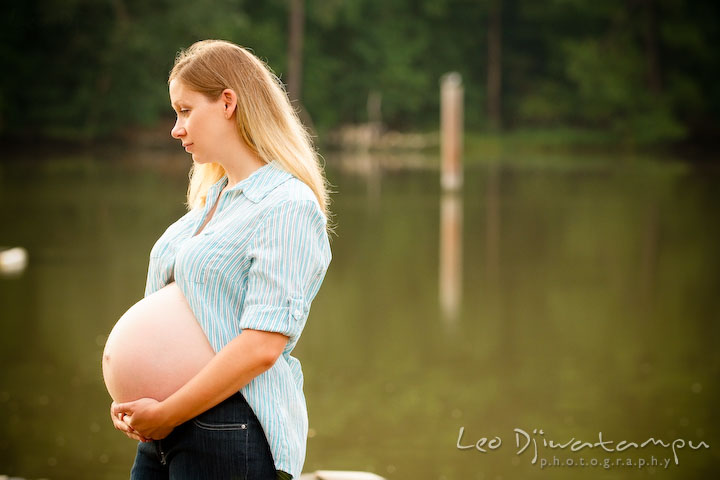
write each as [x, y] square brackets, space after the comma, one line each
[297, 313]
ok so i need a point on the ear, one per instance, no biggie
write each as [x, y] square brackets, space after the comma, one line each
[229, 99]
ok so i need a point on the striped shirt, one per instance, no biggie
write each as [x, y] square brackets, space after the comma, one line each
[257, 264]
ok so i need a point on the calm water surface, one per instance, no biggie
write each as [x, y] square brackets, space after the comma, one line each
[575, 296]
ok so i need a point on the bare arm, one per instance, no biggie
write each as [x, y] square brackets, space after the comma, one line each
[245, 357]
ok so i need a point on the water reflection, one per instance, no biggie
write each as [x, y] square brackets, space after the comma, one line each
[584, 297]
[451, 254]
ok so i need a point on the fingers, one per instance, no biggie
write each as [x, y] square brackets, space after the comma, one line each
[120, 424]
[116, 408]
[137, 437]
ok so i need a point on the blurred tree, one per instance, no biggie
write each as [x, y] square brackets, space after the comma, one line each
[643, 69]
[295, 46]
[494, 68]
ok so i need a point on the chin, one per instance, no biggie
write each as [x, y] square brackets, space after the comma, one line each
[198, 160]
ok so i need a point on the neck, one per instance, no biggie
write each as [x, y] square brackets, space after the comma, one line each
[240, 170]
[240, 163]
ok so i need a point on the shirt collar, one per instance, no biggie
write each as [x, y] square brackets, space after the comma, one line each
[259, 183]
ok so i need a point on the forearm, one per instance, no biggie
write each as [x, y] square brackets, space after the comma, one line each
[245, 357]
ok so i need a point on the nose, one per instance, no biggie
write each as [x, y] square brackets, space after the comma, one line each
[177, 131]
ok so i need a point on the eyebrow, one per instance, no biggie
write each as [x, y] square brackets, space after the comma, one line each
[179, 104]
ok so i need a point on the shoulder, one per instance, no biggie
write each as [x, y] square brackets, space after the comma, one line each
[292, 189]
[293, 195]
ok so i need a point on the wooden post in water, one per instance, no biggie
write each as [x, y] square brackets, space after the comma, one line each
[451, 130]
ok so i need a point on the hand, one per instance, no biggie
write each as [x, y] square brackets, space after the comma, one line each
[120, 424]
[145, 417]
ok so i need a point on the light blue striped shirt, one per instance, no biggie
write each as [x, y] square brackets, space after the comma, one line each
[257, 264]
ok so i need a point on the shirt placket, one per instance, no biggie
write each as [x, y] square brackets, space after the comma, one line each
[213, 196]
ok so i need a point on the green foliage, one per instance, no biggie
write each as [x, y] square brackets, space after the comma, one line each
[83, 69]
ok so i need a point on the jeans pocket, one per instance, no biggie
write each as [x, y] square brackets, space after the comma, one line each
[231, 435]
[231, 414]
[219, 426]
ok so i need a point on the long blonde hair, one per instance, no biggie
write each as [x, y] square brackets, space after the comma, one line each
[266, 120]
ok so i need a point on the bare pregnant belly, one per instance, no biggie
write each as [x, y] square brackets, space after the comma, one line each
[155, 348]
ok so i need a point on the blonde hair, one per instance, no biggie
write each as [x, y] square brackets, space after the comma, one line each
[266, 120]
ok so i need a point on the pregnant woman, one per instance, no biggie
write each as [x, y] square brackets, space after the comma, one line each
[200, 369]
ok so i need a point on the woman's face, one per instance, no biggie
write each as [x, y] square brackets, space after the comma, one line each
[201, 123]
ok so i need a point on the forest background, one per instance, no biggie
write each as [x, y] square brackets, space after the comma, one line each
[624, 72]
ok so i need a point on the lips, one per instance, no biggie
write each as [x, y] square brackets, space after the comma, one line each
[187, 145]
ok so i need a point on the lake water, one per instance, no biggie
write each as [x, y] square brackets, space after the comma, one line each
[577, 296]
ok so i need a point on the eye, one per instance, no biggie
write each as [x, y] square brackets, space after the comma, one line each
[184, 111]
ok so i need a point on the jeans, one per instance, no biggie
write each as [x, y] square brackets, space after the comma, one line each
[226, 442]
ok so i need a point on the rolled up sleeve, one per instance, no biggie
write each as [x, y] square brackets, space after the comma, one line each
[290, 255]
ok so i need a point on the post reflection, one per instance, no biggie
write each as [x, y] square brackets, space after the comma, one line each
[451, 255]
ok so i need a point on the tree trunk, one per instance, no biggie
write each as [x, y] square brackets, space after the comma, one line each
[654, 77]
[295, 46]
[494, 80]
